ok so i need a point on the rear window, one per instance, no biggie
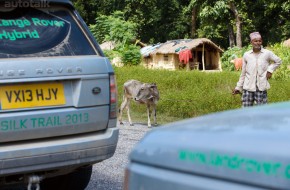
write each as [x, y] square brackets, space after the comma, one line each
[31, 32]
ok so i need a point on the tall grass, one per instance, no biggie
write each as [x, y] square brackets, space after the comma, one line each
[190, 94]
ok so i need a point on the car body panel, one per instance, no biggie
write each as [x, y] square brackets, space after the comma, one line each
[248, 146]
[154, 178]
[49, 154]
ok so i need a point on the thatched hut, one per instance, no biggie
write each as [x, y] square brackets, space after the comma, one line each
[199, 54]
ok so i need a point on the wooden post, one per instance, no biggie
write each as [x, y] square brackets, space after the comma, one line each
[203, 65]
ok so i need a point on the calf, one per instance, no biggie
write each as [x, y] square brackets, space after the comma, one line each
[143, 93]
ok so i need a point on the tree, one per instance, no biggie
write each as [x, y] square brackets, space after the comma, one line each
[238, 18]
[115, 28]
[210, 19]
[158, 21]
[226, 22]
[89, 9]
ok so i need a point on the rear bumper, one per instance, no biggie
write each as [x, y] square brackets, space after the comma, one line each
[51, 154]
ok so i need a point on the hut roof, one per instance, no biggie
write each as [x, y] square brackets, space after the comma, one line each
[172, 46]
[145, 51]
[286, 43]
[109, 45]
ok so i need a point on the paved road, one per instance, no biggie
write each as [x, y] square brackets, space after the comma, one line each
[109, 174]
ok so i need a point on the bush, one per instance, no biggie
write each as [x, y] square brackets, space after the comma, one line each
[283, 72]
[230, 54]
[130, 55]
[111, 54]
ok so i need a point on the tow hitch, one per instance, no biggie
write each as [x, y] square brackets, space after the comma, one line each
[33, 182]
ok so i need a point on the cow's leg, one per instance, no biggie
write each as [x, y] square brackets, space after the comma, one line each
[128, 113]
[154, 114]
[123, 106]
[148, 115]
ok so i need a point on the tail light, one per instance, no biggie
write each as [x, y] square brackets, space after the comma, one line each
[113, 97]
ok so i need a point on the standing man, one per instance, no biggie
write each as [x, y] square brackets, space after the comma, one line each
[257, 69]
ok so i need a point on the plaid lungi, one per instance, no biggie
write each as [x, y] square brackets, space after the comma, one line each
[248, 98]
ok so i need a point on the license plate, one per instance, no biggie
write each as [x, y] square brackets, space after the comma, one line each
[32, 95]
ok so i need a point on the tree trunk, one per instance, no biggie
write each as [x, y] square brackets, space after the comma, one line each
[193, 23]
[238, 24]
[231, 36]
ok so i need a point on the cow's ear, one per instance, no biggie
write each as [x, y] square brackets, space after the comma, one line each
[153, 85]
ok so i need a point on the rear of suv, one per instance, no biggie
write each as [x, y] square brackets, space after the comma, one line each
[57, 97]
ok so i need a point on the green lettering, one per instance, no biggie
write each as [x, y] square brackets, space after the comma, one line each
[41, 122]
[5, 23]
[201, 158]
[44, 22]
[34, 34]
[11, 36]
[267, 168]
[22, 123]
[86, 117]
[253, 166]
[18, 34]
[12, 124]
[49, 122]
[4, 125]
[26, 22]
[276, 167]
[191, 156]
[36, 21]
[59, 23]
[182, 155]
[33, 122]
[287, 172]
[216, 159]
[58, 120]
[234, 162]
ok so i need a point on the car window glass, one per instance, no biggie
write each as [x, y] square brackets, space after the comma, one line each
[26, 32]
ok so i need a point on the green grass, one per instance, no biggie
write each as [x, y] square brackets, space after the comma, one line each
[190, 94]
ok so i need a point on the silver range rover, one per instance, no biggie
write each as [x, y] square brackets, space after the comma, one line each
[57, 97]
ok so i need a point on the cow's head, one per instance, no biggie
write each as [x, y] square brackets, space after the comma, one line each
[147, 93]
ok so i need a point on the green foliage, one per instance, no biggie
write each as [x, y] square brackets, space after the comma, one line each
[283, 72]
[111, 54]
[114, 28]
[281, 51]
[162, 20]
[230, 54]
[130, 55]
[190, 94]
[87, 8]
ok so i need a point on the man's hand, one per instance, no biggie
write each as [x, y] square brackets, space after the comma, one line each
[268, 75]
[235, 91]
